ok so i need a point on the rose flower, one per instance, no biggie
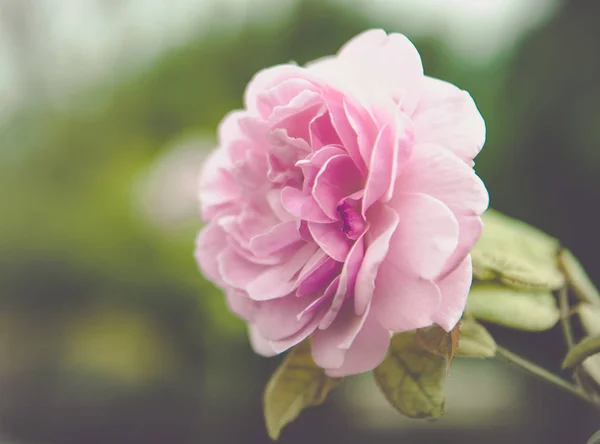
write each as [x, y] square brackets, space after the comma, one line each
[342, 204]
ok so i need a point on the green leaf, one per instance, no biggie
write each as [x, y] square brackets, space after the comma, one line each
[412, 378]
[438, 341]
[475, 341]
[510, 307]
[298, 383]
[516, 254]
[578, 279]
[590, 346]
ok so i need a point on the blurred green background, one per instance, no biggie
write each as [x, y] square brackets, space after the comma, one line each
[108, 333]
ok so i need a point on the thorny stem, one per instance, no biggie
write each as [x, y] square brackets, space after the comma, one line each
[544, 374]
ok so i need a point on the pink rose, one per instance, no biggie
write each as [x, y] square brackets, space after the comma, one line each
[342, 204]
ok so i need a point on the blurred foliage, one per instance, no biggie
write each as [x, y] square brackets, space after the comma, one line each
[108, 331]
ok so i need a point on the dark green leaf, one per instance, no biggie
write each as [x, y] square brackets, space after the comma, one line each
[412, 378]
[298, 383]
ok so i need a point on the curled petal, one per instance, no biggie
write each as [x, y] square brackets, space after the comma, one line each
[454, 289]
[279, 318]
[384, 221]
[346, 282]
[278, 237]
[331, 239]
[337, 179]
[278, 281]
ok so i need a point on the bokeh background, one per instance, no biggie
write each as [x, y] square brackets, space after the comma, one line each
[108, 333]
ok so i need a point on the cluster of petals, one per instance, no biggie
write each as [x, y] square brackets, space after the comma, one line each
[342, 205]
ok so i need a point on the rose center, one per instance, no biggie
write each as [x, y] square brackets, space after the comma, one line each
[354, 224]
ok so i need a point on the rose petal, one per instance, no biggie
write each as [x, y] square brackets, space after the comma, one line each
[470, 229]
[337, 179]
[454, 289]
[346, 282]
[278, 237]
[260, 345]
[266, 79]
[241, 305]
[303, 205]
[435, 171]
[283, 94]
[329, 345]
[209, 243]
[366, 352]
[285, 344]
[279, 318]
[218, 187]
[391, 62]
[331, 239]
[425, 238]
[237, 271]
[384, 221]
[402, 302]
[322, 132]
[447, 116]
[382, 168]
[319, 278]
[278, 280]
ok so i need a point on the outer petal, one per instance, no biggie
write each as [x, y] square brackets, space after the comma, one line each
[425, 238]
[435, 171]
[375, 64]
[210, 242]
[240, 304]
[235, 270]
[260, 345]
[330, 345]
[281, 94]
[218, 187]
[366, 352]
[395, 60]
[278, 319]
[454, 289]
[266, 79]
[448, 116]
[402, 302]
[279, 280]
[284, 344]
[470, 228]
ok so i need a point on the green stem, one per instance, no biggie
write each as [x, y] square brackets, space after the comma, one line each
[544, 374]
[565, 324]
